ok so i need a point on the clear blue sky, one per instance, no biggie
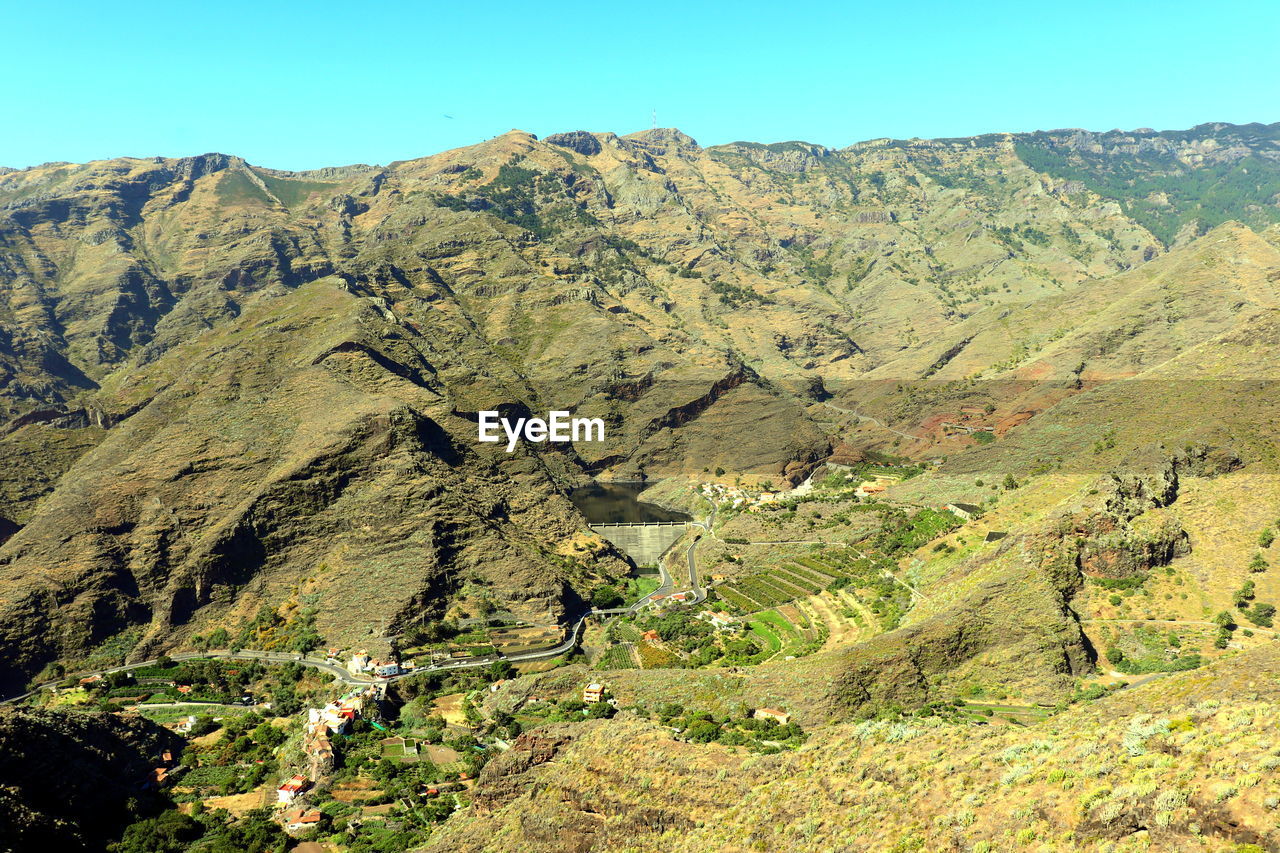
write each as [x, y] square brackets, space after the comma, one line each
[302, 85]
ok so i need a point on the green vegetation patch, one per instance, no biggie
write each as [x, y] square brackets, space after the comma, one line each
[1161, 192]
[536, 201]
[294, 192]
[1146, 649]
[740, 728]
[235, 187]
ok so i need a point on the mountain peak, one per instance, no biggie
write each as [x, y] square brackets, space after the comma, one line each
[665, 138]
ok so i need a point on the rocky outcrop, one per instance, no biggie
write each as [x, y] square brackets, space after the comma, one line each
[1107, 542]
[1017, 627]
[1021, 623]
[578, 140]
[506, 777]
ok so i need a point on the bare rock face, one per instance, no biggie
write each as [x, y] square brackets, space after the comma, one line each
[507, 776]
[579, 140]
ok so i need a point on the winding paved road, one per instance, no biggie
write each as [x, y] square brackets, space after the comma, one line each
[341, 673]
[325, 666]
[875, 421]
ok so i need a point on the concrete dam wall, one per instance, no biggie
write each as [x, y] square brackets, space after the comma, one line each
[643, 543]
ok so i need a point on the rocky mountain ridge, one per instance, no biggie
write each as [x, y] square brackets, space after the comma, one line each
[228, 387]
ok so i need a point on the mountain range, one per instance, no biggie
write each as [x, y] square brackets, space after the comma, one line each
[246, 398]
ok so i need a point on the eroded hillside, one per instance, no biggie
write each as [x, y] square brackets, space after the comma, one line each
[229, 388]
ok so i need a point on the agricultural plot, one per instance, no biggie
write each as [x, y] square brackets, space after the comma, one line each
[617, 657]
[866, 598]
[787, 590]
[625, 632]
[840, 622]
[797, 581]
[757, 589]
[821, 579]
[881, 600]
[796, 634]
[653, 657]
[737, 599]
[766, 635]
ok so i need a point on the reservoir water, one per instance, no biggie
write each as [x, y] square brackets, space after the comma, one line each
[615, 503]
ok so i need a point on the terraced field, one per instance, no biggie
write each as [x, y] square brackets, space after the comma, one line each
[618, 657]
[851, 595]
[786, 631]
[844, 619]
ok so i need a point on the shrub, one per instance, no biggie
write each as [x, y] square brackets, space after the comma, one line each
[1261, 614]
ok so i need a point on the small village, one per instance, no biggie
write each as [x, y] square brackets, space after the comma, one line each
[277, 740]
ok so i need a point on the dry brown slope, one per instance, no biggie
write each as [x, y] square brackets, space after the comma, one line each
[1183, 763]
[281, 450]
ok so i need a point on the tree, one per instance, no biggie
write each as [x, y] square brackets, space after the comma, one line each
[501, 670]
[1009, 482]
[285, 701]
[601, 711]
[168, 832]
[203, 725]
[1115, 655]
[269, 735]
[702, 731]
[1258, 563]
[256, 832]
[669, 711]
[607, 597]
